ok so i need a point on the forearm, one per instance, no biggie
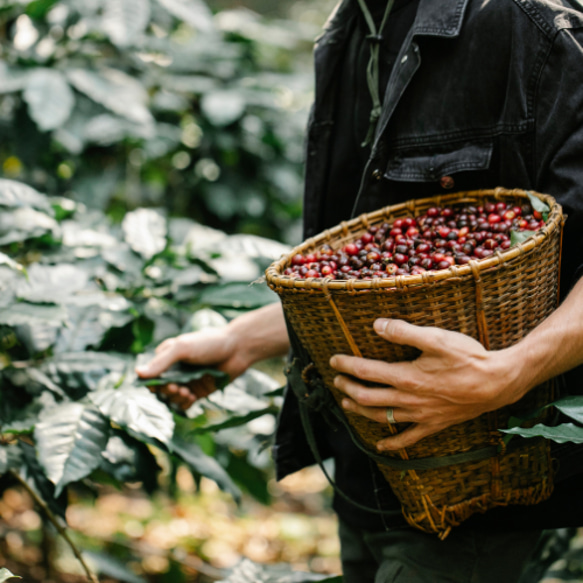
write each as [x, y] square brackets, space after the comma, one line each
[553, 347]
[262, 333]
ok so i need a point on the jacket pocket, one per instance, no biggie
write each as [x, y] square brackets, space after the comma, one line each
[436, 167]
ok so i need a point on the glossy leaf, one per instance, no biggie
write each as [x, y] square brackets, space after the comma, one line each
[115, 90]
[238, 295]
[124, 21]
[49, 97]
[249, 572]
[22, 224]
[517, 237]
[15, 194]
[10, 457]
[51, 283]
[202, 464]
[22, 313]
[565, 433]
[193, 12]
[70, 438]
[136, 409]
[5, 574]
[223, 107]
[5, 260]
[183, 375]
[538, 204]
[145, 231]
[235, 421]
[571, 407]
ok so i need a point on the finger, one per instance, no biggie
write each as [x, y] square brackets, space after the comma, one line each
[183, 397]
[409, 437]
[375, 396]
[161, 362]
[378, 414]
[425, 338]
[399, 375]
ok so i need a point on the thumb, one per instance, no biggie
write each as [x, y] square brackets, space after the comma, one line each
[425, 338]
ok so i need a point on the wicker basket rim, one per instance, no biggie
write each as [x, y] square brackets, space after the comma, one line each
[275, 279]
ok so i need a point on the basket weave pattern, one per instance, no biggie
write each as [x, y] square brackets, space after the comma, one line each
[496, 300]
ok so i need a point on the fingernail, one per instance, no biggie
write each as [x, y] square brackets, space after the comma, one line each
[333, 361]
[336, 381]
[144, 369]
[380, 325]
[346, 403]
[380, 447]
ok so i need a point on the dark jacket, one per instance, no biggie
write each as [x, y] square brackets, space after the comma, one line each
[484, 94]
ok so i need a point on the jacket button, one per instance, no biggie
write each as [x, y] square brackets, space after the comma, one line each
[377, 173]
[446, 182]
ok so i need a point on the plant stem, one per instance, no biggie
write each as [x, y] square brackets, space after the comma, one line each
[55, 522]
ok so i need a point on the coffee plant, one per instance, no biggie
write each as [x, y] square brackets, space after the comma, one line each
[82, 300]
[121, 104]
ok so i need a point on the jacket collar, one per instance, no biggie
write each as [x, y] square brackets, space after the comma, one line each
[439, 18]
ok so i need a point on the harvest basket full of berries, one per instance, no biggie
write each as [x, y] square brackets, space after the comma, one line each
[484, 263]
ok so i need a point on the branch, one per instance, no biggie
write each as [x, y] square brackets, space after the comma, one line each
[60, 529]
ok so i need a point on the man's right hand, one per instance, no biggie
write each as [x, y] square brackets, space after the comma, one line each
[255, 336]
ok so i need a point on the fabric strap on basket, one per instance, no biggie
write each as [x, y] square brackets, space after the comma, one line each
[313, 395]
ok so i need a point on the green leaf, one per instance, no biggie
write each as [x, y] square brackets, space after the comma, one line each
[10, 457]
[48, 284]
[70, 438]
[38, 9]
[22, 313]
[567, 432]
[193, 12]
[15, 194]
[5, 574]
[49, 97]
[520, 236]
[136, 409]
[249, 572]
[115, 90]
[224, 107]
[124, 21]
[5, 260]
[204, 465]
[238, 295]
[236, 421]
[32, 472]
[185, 374]
[571, 406]
[145, 231]
[537, 204]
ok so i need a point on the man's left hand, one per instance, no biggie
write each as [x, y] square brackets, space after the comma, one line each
[455, 379]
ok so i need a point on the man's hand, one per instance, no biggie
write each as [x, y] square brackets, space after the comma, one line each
[453, 380]
[255, 336]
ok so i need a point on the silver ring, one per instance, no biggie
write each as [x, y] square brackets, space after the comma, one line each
[391, 416]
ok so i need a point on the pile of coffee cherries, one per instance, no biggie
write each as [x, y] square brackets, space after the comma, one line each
[436, 240]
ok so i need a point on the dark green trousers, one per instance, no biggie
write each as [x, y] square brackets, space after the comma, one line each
[406, 555]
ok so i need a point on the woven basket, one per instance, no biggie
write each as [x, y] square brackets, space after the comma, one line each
[496, 300]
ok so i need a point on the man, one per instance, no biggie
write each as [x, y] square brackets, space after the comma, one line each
[479, 94]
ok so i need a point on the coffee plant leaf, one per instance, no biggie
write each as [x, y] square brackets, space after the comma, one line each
[10, 456]
[223, 107]
[25, 313]
[23, 224]
[15, 194]
[126, 459]
[115, 90]
[49, 97]
[124, 21]
[70, 438]
[145, 231]
[203, 319]
[235, 421]
[538, 204]
[204, 465]
[517, 237]
[80, 372]
[237, 295]
[34, 475]
[564, 433]
[253, 246]
[12, 80]
[249, 572]
[8, 261]
[185, 374]
[136, 409]
[5, 574]
[571, 406]
[113, 568]
[194, 12]
[51, 284]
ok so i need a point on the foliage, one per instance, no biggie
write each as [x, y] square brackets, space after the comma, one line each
[249, 572]
[130, 103]
[5, 574]
[80, 300]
